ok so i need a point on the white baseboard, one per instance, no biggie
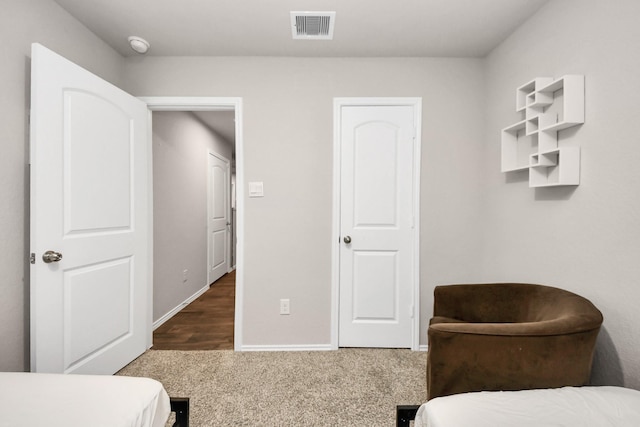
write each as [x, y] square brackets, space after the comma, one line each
[179, 307]
[423, 347]
[308, 347]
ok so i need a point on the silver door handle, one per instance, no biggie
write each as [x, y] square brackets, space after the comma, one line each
[51, 256]
[347, 239]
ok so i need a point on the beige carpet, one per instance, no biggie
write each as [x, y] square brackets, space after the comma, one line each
[348, 387]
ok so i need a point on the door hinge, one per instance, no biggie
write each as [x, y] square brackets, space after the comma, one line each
[32, 258]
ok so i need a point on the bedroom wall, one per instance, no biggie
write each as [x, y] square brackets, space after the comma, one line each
[585, 239]
[288, 140]
[23, 22]
[180, 175]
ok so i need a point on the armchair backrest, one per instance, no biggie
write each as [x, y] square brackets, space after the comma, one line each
[511, 303]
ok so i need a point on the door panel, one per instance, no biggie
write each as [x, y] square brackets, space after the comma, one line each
[90, 294]
[375, 286]
[218, 255]
[97, 164]
[376, 208]
[375, 175]
[90, 311]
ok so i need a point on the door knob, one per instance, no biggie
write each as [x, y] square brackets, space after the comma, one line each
[347, 239]
[51, 256]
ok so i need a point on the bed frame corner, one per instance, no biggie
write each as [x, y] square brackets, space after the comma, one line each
[405, 414]
[180, 405]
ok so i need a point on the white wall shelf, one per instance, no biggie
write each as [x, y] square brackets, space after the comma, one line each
[531, 144]
[555, 168]
[517, 147]
[526, 95]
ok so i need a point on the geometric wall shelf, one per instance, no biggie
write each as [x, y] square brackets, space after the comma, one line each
[547, 106]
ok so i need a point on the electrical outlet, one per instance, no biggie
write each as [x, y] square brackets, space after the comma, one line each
[185, 275]
[285, 306]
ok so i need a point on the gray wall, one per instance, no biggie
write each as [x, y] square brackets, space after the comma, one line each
[180, 168]
[585, 239]
[21, 23]
[288, 141]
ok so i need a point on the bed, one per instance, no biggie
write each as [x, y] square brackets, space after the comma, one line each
[566, 407]
[30, 399]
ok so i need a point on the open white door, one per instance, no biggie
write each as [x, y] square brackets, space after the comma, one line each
[89, 205]
[219, 217]
[377, 226]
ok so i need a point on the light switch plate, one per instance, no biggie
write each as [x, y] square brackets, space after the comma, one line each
[256, 189]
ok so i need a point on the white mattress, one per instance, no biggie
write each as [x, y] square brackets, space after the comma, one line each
[562, 407]
[52, 400]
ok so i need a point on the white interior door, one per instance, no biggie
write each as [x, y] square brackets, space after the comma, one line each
[376, 226]
[90, 310]
[219, 217]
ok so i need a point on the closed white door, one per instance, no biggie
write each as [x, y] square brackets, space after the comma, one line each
[90, 305]
[219, 217]
[376, 226]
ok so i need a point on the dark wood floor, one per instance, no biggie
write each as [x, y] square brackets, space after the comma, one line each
[205, 324]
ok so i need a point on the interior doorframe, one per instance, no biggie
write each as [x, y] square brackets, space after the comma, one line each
[338, 103]
[170, 103]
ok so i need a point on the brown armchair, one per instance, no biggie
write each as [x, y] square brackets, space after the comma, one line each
[509, 336]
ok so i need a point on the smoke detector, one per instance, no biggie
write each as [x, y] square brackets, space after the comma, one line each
[139, 44]
[312, 25]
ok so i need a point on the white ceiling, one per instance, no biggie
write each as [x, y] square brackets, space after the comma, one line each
[453, 28]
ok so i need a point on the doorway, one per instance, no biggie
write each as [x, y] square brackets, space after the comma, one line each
[200, 107]
[376, 222]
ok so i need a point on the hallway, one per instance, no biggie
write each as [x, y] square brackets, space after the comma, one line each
[205, 324]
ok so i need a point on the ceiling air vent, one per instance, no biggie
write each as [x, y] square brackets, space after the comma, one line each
[312, 25]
